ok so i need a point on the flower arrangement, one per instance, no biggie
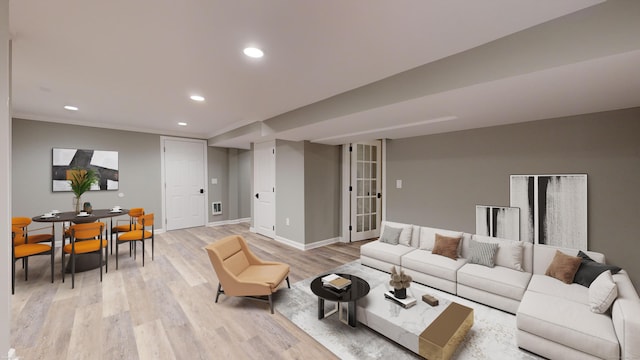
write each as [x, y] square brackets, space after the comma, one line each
[400, 282]
[81, 181]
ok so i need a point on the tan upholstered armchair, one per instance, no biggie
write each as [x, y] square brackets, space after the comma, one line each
[241, 273]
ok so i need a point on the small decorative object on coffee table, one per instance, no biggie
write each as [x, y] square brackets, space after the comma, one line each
[400, 282]
[430, 299]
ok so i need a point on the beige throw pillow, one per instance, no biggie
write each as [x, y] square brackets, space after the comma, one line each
[446, 246]
[563, 267]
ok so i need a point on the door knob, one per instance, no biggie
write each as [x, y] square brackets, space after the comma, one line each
[257, 195]
[201, 191]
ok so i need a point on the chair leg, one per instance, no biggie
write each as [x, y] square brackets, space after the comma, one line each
[100, 251]
[63, 256]
[73, 270]
[288, 285]
[220, 291]
[13, 278]
[26, 268]
[142, 252]
[271, 303]
[52, 261]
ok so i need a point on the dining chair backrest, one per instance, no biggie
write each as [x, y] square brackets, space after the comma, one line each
[146, 220]
[136, 212]
[86, 231]
[20, 221]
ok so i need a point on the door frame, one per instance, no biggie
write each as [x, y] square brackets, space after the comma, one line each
[163, 182]
[345, 235]
[255, 228]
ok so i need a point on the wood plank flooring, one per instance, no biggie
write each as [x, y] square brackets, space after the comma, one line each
[166, 309]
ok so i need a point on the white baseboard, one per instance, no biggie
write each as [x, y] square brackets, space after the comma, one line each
[229, 222]
[304, 247]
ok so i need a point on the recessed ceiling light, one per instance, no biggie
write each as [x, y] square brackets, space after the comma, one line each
[197, 98]
[72, 108]
[181, 123]
[253, 52]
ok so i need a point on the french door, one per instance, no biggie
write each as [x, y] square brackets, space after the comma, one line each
[365, 190]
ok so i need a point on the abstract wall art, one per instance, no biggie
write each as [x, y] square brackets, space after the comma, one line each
[553, 208]
[498, 221]
[105, 163]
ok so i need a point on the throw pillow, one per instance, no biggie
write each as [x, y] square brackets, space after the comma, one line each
[602, 292]
[510, 252]
[428, 236]
[405, 235]
[390, 235]
[590, 269]
[482, 253]
[563, 267]
[446, 246]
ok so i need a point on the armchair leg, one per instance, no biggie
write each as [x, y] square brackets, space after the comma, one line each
[288, 285]
[220, 291]
[271, 303]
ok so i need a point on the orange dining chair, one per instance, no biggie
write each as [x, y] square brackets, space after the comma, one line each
[127, 225]
[85, 239]
[31, 238]
[23, 250]
[141, 234]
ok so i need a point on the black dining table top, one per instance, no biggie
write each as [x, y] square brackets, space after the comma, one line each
[74, 218]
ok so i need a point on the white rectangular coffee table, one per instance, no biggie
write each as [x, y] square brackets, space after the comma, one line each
[431, 332]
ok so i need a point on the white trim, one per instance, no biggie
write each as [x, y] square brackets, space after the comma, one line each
[383, 186]
[304, 247]
[228, 222]
[346, 197]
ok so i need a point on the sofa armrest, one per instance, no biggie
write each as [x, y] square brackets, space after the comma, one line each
[625, 314]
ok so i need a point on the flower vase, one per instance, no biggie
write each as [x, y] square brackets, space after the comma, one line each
[77, 204]
[400, 293]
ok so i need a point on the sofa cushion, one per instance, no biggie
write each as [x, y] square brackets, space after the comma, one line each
[590, 269]
[498, 280]
[602, 293]
[425, 262]
[568, 323]
[390, 235]
[563, 267]
[483, 253]
[410, 235]
[510, 252]
[543, 255]
[551, 286]
[428, 236]
[384, 252]
[446, 246]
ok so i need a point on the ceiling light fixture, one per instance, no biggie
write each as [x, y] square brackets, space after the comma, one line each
[182, 123]
[197, 98]
[253, 52]
[72, 108]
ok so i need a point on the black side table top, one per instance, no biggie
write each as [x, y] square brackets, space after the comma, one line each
[358, 289]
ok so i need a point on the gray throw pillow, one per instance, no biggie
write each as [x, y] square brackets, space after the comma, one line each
[483, 253]
[390, 235]
[590, 269]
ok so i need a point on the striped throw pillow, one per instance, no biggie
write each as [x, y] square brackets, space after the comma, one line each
[483, 253]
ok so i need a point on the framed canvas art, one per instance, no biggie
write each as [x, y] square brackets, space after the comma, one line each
[105, 164]
[498, 221]
[553, 208]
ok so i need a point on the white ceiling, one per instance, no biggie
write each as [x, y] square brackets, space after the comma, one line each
[132, 65]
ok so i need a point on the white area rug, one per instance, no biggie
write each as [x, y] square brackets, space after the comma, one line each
[493, 335]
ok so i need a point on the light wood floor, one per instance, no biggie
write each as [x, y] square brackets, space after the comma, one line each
[166, 309]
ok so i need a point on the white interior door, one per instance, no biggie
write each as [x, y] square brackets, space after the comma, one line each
[184, 183]
[264, 187]
[365, 191]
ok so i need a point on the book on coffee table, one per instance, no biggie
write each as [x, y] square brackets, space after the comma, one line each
[406, 303]
[335, 281]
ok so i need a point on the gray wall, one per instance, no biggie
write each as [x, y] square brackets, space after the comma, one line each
[218, 163]
[138, 157]
[290, 190]
[322, 191]
[245, 179]
[445, 176]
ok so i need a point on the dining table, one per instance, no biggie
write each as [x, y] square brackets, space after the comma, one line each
[89, 261]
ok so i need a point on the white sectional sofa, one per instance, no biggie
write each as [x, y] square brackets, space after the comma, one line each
[554, 318]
